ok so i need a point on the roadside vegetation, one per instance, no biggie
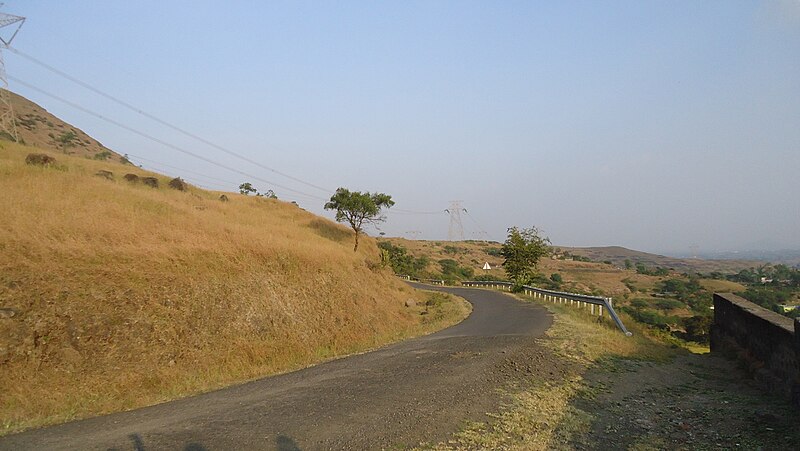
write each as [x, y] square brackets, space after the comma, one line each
[116, 293]
[616, 392]
[663, 299]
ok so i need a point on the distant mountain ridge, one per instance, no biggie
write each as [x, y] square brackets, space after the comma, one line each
[36, 127]
[618, 254]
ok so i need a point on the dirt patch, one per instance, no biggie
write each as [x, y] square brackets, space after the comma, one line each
[694, 402]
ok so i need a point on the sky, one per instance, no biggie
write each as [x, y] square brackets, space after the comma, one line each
[658, 126]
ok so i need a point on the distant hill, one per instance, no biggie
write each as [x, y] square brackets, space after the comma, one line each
[617, 255]
[38, 128]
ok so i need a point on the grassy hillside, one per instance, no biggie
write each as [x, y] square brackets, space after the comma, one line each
[115, 295]
[578, 276]
[38, 128]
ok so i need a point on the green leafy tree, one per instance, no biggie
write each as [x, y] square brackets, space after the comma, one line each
[247, 188]
[357, 208]
[522, 250]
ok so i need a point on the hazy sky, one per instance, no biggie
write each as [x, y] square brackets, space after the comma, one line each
[654, 125]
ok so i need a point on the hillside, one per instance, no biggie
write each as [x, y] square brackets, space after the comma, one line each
[578, 276]
[38, 128]
[617, 255]
[115, 295]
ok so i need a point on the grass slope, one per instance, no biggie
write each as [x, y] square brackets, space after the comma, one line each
[38, 128]
[117, 295]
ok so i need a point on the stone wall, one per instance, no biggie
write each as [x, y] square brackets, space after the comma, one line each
[766, 342]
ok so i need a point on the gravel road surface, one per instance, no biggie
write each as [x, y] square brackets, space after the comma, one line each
[416, 391]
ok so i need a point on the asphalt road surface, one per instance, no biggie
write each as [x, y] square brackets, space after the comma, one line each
[416, 391]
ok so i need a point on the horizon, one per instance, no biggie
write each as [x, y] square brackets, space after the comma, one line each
[663, 128]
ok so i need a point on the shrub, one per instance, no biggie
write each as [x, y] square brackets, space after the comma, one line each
[102, 156]
[669, 304]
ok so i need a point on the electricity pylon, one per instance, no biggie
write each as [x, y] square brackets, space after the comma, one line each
[7, 122]
[456, 230]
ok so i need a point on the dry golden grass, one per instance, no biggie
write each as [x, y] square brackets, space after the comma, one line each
[125, 295]
[722, 286]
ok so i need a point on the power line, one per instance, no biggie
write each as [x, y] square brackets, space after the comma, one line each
[159, 120]
[480, 229]
[181, 169]
[159, 141]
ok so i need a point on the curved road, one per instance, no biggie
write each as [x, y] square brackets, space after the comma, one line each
[420, 390]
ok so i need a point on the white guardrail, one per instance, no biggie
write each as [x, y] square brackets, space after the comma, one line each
[574, 299]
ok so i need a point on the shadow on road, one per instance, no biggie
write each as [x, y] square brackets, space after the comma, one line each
[286, 444]
[138, 445]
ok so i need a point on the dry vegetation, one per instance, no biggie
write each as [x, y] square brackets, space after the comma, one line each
[38, 128]
[583, 277]
[117, 295]
[540, 416]
[641, 393]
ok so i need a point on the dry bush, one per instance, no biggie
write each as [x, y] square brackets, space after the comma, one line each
[125, 296]
[178, 184]
[152, 182]
[40, 159]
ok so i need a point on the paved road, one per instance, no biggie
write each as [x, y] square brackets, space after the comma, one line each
[420, 390]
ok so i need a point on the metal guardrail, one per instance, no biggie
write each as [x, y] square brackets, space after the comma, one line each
[578, 300]
[414, 279]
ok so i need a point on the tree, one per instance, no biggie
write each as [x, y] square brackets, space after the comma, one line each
[247, 188]
[522, 250]
[357, 208]
[269, 194]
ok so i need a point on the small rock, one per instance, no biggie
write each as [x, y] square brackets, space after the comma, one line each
[7, 313]
[411, 303]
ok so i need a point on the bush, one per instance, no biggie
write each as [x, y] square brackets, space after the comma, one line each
[489, 278]
[102, 156]
[698, 328]
[669, 304]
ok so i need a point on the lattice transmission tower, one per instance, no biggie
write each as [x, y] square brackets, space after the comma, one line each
[9, 27]
[456, 230]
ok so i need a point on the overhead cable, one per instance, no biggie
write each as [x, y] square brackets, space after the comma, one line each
[159, 141]
[160, 121]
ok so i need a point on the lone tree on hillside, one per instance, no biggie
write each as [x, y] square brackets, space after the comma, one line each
[357, 208]
[247, 188]
[522, 250]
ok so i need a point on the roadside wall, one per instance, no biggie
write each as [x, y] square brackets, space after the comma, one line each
[766, 342]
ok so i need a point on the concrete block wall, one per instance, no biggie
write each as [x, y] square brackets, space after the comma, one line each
[766, 342]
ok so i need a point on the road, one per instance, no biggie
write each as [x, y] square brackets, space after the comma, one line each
[416, 391]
